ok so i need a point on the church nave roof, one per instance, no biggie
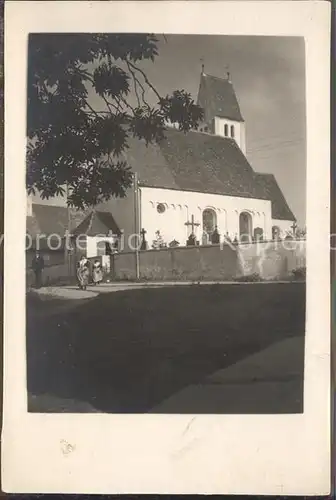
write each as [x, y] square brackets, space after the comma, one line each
[204, 163]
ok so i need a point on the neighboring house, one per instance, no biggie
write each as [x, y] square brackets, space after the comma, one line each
[45, 231]
[98, 234]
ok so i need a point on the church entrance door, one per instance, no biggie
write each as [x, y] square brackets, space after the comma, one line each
[245, 227]
[209, 220]
[209, 217]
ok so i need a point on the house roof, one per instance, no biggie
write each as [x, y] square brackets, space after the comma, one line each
[47, 219]
[97, 222]
[204, 163]
[280, 207]
[217, 98]
[52, 219]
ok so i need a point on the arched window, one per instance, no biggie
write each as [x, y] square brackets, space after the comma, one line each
[209, 220]
[226, 130]
[245, 226]
[232, 131]
[275, 232]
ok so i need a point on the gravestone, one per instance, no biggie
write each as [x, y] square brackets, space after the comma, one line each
[191, 241]
[144, 244]
[215, 237]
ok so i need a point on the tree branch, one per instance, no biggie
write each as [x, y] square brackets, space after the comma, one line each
[137, 82]
[127, 104]
[92, 110]
[146, 79]
[108, 104]
[85, 73]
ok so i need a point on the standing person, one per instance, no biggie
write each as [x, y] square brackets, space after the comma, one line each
[38, 266]
[83, 272]
[97, 273]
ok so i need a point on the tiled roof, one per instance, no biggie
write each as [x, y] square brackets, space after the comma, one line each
[97, 222]
[47, 219]
[193, 162]
[51, 219]
[272, 191]
[217, 98]
[204, 163]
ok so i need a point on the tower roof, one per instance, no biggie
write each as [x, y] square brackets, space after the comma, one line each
[218, 98]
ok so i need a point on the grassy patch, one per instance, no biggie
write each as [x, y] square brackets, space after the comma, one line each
[128, 350]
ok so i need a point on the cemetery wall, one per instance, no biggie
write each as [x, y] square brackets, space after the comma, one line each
[272, 259]
[269, 260]
[181, 263]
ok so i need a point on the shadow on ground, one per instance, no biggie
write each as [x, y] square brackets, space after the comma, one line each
[129, 351]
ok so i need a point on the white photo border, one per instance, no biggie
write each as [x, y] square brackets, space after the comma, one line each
[220, 454]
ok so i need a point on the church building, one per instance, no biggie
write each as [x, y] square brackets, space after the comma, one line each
[200, 182]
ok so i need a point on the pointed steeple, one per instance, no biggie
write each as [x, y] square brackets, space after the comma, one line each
[222, 115]
[218, 98]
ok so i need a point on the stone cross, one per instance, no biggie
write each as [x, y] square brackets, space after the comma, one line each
[294, 227]
[193, 224]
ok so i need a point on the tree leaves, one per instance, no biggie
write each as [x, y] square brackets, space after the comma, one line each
[110, 80]
[180, 108]
[97, 181]
[148, 124]
[71, 143]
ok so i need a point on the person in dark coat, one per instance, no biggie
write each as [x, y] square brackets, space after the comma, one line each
[38, 266]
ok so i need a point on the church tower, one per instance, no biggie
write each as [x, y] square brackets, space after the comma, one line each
[222, 115]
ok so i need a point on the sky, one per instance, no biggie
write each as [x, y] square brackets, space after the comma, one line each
[268, 74]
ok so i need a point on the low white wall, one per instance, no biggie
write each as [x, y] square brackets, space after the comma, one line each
[272, 259]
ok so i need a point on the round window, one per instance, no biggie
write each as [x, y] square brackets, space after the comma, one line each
[161, 208]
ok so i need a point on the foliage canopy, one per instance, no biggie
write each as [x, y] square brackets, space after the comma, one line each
[71, 143]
